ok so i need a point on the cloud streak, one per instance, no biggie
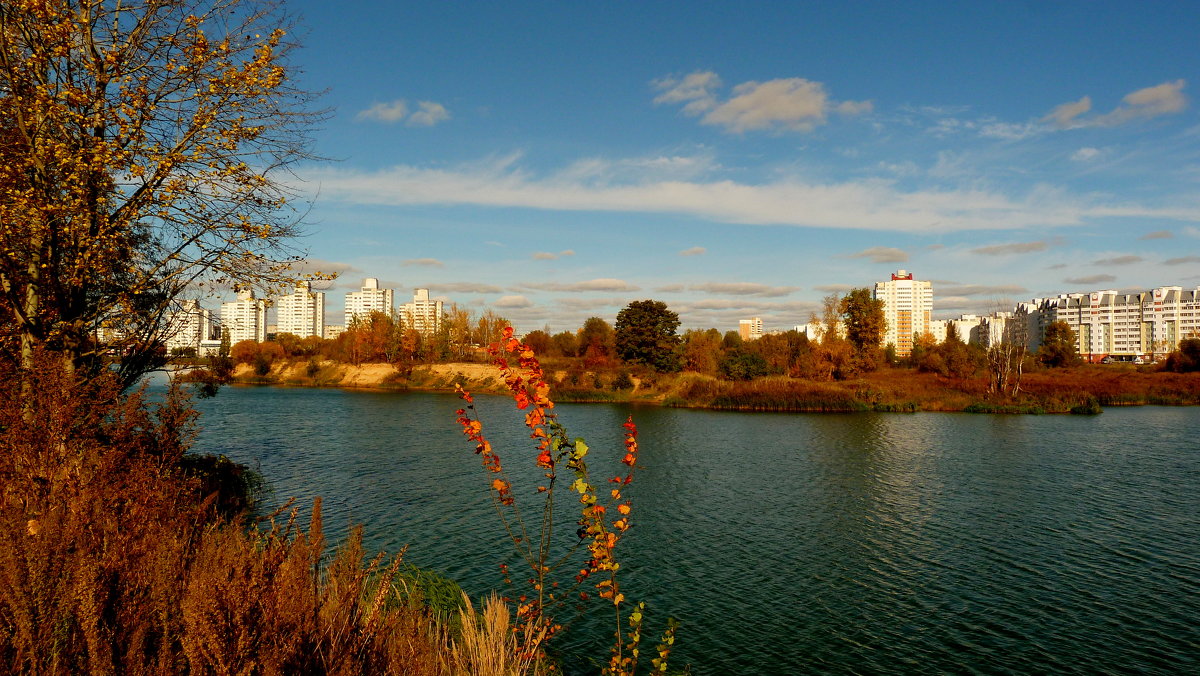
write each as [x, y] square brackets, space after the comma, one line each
[1163, 99]
[882, 254]
[866, 204]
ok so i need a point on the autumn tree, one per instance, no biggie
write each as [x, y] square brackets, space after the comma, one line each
[645, 334]
[863, 317]
[141, 150]
[1058, 346]
[595, 342]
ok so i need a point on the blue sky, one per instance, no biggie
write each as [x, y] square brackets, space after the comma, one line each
[554, 161]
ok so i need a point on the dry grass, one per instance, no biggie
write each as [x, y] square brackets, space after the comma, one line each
[113, 560]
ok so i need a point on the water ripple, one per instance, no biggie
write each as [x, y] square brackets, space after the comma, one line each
[863, 544]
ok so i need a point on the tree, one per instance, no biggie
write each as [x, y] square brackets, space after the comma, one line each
[565, 344]
[1186, 359]
[140, 145]
[1058, 346]
[1006, 358]
[645, 334]
[595, 342]
[863, 317]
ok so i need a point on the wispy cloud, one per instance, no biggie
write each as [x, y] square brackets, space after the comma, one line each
[1091, 279]
[792, 104]
[609, 285]
[834, 288]
[1163, 99]
[1119, 260]
[866, 204]
[464, 287]
[1086, 154]
[694, 251]
[423, 263]
[980, 290]
[1014, 248]
[428, 113]
[732, 289]
[1158, 234]
[316, 266]
[882, 254]
[513, 302]
[548, 256]
[1181, 260]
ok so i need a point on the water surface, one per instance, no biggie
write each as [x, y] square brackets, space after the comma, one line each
[794, 543]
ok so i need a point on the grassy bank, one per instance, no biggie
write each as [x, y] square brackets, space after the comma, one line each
[1082, 389]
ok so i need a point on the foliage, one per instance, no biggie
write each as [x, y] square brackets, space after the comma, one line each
[743, 365]
[140, 146]
[645, 334]
[116, 559]
[605, 516]
[596, 343]
[1058, 348]
[1186, 359]
[862, 315]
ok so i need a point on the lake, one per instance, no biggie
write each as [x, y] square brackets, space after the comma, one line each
[798, 543]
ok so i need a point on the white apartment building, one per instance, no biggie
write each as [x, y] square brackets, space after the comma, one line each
[245, 318]
[907, 307]
[370, 298]
[188, 326]
[301, 313]
[422, 314]
[1108, 323]
[750, 329]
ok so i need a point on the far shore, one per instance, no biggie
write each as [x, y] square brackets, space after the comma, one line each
[1084, 389]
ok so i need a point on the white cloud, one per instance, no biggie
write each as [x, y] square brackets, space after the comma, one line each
[315, 266]
[1013, 248]
[393, 111]
[794, 104]
[464, 287]
[513, 302]
[696, 89]
[550, 256]
[694, 251]
[1119, 260]
[743, 289]
[428, 113]
[882, 254]
[1091, 279]
[1010, 131]
[1163, 99]
[609, 285]
[1158, 234]
[963, 290]
[863, 204]
[834, 288]
[1086, 154]
[1181, 260]
[423, 262]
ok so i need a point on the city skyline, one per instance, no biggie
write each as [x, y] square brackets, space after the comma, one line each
[555, 162]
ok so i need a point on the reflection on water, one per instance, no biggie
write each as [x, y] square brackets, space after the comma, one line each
[804, 543]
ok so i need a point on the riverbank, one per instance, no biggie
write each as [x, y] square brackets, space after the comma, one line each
[1083, 389]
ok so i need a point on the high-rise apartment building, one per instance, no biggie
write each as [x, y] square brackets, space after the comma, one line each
[370, 298]
[245, 318]
[422, 314]
[1108, 323]
[907, 307]
[188, 326]
[750, 329]
[301, 313]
